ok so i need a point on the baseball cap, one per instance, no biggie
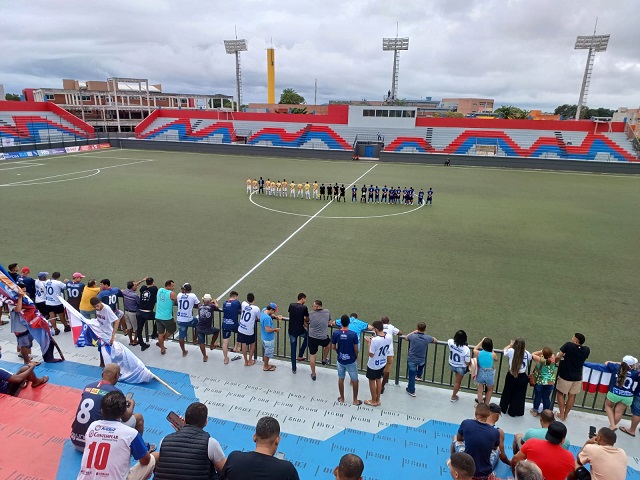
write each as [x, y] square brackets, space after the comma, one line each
[78, 275]
[25, 270]
[629, 360]
[495, 408]
[556, 433]
[273, 306]
[43, 274]
[207, 296]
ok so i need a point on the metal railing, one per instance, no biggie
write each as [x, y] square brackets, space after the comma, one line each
[436, 371]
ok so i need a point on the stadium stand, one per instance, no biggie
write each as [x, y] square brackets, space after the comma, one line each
[39, 122]
[582, 140]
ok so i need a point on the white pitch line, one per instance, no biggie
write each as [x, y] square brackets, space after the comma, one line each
[26, 165]
[335, 218]
[97, 170]
[286, 240]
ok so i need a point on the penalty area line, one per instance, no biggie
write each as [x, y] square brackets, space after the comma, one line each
[237, 282]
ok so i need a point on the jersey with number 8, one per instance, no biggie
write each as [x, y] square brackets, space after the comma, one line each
[89, 410]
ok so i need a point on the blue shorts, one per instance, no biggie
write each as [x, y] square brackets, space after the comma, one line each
[228, 329]
[486, 376]
[183, 328]
[635, 406]
[350, 368]
[459, 370]
[25, 340]
[268, 348]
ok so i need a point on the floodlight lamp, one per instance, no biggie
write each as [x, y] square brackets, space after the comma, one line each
[233, 46]
[598, 43]
[395, 43]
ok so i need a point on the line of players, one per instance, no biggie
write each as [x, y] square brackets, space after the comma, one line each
[371, 194]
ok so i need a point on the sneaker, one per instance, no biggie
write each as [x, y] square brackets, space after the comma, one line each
[144, 346]
[57, 330]
[454, 399]
[67, 328]
[326, 362]
[410, 393]
[294, 371]
[313, 377]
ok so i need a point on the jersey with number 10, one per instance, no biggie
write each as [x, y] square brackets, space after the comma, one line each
[380, 346]
[107, 454]
[248, 316]
[186, 302]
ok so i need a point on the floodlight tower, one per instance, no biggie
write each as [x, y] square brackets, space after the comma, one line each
[395, 44]
[594, 43]
[236, 46]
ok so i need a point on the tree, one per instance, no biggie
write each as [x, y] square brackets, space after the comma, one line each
[454, 115]
[509, 111]
[291, 97]
[569, 111]
[12, 96]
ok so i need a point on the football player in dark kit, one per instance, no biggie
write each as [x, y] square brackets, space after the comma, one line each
[329, 191]
[385, 192]
[354, 194]
[377, 194]
[363, 196]
[342, 194]
[322, 192]
[370, 199]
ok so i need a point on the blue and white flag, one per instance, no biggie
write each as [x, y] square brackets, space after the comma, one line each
[89, 332]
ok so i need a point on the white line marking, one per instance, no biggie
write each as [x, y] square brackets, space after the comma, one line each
[96, 170]
[322, 216]
[286, 240]
[26, 165]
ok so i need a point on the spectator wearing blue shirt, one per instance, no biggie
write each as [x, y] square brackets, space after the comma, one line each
[355, 324]
[109, 296]
[230, 311]
[29, 283]
[268, 334]
[416, 358]
[345, 343]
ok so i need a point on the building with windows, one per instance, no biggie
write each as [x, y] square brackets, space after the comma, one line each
[119, 104]
[468, 106]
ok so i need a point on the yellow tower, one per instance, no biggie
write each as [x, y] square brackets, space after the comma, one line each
[271, 76]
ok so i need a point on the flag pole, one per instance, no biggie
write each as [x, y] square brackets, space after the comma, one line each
[166, 385]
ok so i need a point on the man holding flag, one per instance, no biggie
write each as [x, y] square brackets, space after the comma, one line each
[107, 326]
[30, 317]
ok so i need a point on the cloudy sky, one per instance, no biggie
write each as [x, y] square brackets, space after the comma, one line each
[518, 52]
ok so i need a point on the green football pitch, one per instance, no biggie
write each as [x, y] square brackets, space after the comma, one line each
[500, 253]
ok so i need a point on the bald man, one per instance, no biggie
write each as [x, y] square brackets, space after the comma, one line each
[350, 468]
[91, 402]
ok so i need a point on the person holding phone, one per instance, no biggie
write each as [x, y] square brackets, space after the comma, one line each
[189, 453]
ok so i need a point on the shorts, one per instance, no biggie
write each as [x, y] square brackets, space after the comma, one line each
[268, 348]
[568, 386]
[486, 376]
[315, 343]
[131, 320]
[349, 368]
[131, 422]
[635, 406]
[119, 313]
[458, 445]
[228, 328]
[42, 308]
[166, 326]
[612, 397]
[202, 336]
[226, 333]
[459, 370]
[387, 367]
[183, 328]
[246, 339]
[25, 340]
[375, 374]
[57, 309]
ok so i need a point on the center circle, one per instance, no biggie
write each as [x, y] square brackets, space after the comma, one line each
[334, 217]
